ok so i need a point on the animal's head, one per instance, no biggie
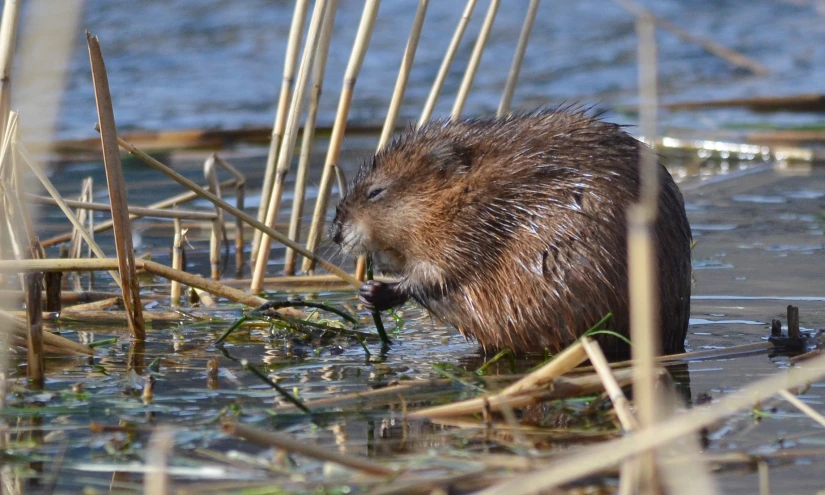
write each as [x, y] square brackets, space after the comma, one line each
[408, 192]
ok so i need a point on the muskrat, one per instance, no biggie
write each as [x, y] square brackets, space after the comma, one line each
[514, 229]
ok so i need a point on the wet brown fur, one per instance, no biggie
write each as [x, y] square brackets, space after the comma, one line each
[513, 229]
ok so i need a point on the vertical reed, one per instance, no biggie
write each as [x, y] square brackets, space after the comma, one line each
[293, 47]
[117, 191]
[35, 366]
[642, 266]
[475, 60]
[215, 237]
[177, 262]
[288, 142]
[398, 96]
[8, 40]
[240, 200]
[438, 83]
[518, 58]
[319, 69]
[356, 60]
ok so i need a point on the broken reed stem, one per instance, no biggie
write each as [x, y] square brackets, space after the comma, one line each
[281, 441]
[398, 98]
[290, 136]
[805, 408]
[215, 236]
[240, 201]
[356, 60]
[642, 261]
[38, 172]
[611, 386]
[236, 212]
[177, 263]
[117, 191]
[475, 60]
[293, 47]
[518, 58]
[308, 137]
[593, 459]
[710, 46]
[160, 205]
[135, 211]
[16, 327]
[35, 365]
[8, 40]
[438, 83]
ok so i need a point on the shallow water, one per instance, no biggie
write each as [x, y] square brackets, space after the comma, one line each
[176, 65]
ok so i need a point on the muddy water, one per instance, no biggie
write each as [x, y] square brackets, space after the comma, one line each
[759, 233]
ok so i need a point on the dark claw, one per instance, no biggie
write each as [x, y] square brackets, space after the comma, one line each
[380, 296]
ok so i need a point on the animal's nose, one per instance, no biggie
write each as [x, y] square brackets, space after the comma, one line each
[335, 232]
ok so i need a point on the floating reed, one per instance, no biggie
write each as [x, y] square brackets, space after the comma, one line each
[293, 46]
[356, 60]
[591, 460]
[117, 191]
[441, 76]
[518, 58]
[236, 212]
[642, 265]
[396, 100]
[290, 136]
[308, 137]
[281, 441]
[475, 60]
[14, 326]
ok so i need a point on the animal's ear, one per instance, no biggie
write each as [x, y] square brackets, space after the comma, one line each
[448, 156]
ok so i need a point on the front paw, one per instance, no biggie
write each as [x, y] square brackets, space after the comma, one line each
[380, 296]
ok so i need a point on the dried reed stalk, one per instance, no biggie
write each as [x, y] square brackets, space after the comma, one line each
[177, 263]
[117, 191]
[240, 201]
[438, 83]
[218, 227]
[518, 58]
[84, 216]
[14, 326]
[279, 440]
[611, 386]
[805, 408]
[135, 211]
[293, 47]
[38, 172]
[236, 212]
[398, 97]
[475, 60]
[205, 298]
[590, 460]
[96, 305]
[290, 136]
[157, 454]
[35, 365]
[356, 60]
[8, 40]
[562, 363]
[710, 46]
[642, 265]
[308, 137]
[160, 205]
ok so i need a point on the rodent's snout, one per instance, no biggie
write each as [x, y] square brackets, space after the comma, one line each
[335, 227]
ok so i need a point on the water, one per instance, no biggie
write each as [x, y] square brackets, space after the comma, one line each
[176, 64]
[216, 64]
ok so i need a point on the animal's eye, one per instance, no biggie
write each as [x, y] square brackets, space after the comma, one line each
[374, 193]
